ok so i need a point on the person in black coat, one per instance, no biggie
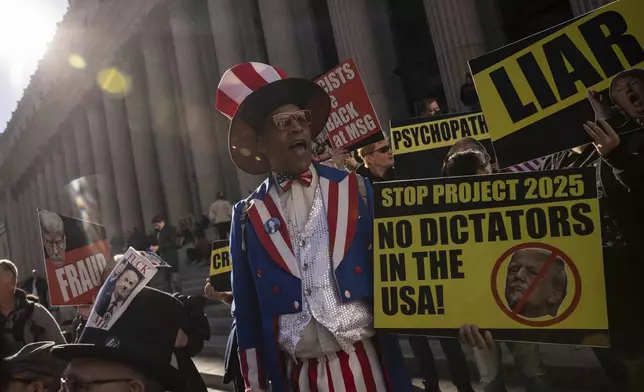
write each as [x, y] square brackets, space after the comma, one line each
[37, 286]
[167, 249]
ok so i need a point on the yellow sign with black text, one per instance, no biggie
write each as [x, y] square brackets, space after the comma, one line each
[541, 90]
[220, 262]
[220, 265]
[421, 145]
[428, 133]
[518, 254]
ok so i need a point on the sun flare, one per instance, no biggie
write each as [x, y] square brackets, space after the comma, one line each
[25, 31]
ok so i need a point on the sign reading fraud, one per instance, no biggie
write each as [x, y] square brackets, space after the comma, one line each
[352, 122]
[220, 265]
[75, 253]
[421, 145]
[517, 254]
[538, 92]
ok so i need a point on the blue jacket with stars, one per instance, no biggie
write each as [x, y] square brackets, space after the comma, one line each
[266, 281]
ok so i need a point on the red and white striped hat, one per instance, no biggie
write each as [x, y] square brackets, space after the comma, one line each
[248, 93]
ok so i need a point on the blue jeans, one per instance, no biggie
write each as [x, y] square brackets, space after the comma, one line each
[528, 360]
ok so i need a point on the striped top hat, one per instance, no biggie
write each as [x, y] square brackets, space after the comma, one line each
[248, 93]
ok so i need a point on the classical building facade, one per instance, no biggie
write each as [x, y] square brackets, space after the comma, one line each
[118, 123]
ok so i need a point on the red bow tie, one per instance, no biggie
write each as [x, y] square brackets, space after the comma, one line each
[285, 180]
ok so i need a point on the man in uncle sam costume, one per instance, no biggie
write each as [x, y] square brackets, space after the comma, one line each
[301, 247]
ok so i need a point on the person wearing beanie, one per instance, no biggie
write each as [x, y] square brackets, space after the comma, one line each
[33, 368]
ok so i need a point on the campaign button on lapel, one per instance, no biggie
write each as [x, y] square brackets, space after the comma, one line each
[272, 225]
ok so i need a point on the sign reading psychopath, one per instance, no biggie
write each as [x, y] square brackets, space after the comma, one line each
[352, 122]
[537, 93]
[421, 145]
[518, 254]
[75, 254]
[220, 265]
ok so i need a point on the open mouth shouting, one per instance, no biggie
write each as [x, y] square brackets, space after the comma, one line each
[636, 100]
[299, 147]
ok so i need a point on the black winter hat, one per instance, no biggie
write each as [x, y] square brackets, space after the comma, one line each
[143, 338]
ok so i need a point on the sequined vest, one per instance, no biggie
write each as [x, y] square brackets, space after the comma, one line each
[348, 322]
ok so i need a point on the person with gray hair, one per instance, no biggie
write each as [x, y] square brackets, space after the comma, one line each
[33, 368]
[22, 319]
[53, 236]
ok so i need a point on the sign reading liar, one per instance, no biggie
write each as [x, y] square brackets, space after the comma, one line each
[75, 255]
[352, 121]
[525, 243]
[538, 92]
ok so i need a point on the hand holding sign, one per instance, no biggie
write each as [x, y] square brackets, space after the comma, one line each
[470, 335]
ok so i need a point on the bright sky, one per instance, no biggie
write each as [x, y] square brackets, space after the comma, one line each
[26, 27]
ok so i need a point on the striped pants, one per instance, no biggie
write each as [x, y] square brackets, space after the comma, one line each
[358, 371]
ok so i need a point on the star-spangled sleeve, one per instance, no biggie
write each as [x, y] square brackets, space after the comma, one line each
[246, 311]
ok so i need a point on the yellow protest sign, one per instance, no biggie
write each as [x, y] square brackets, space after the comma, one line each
[519, 254]
[540, 91]
[220, 265]
[420, 145]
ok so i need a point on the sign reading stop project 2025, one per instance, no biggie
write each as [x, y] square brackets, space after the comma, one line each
[352, 122]
[538, 92]
[518, 254]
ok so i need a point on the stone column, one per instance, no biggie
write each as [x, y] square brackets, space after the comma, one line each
[24, 205]
[87, 205]
[226, 27]
[43, 201]
[127, 190]
[13, 226]
[195, 100]
[183, 128]
[281, 36]
[60, 178]
[110, 214]
[355, 38]
[72, 171]
[145, 155]
[212, 73]
[458, 37]
[165, 127]
[50, 181]
[83, 142]
[33, 227]
[580, 7]
[307, 38]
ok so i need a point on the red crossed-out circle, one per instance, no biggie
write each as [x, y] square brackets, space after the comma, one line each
[514, 315]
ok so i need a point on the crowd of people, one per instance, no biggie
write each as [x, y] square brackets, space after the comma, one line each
[302, 253]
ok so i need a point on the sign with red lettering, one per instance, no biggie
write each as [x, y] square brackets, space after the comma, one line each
[126, 280]
[352, 122]
[75, 253]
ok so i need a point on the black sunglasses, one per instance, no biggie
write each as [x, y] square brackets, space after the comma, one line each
[381, 150]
